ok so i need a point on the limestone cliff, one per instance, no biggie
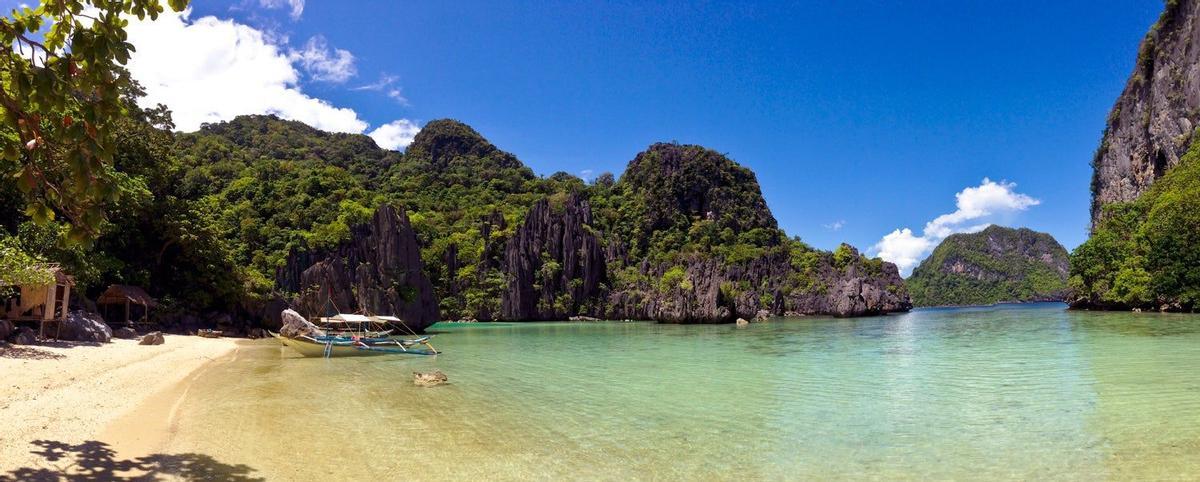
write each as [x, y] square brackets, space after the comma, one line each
[555, 264]
[378, 270]
[1151, 125]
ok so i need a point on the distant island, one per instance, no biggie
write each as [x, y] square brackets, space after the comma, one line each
[995, 265]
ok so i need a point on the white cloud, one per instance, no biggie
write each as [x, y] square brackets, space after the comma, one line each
[296, 6]
[977, 207]
[386, 85]
[586, 175]
[395, 135]
[324, 64]
[836, 225]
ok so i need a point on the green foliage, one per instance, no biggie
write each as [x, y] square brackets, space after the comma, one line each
[673, 278]
[844, 255]
[19, 267]
[679, 199]
[1145, 253]
[994, 265]
[62, 91]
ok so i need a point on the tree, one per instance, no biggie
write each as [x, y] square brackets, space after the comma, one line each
[61, 89]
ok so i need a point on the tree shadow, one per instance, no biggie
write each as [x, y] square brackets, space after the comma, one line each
[96, 461]
[27, 352]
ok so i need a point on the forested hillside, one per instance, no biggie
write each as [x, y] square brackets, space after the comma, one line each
[216, 219]
[994, 265]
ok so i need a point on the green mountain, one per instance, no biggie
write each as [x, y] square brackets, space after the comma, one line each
[994, 265]
[238, 218]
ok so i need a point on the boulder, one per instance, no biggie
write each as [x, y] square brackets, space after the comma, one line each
[762, 315]
[152, 338]
[742, 321]
[84, 326]
[429, 379]
[6, 329]
[24, 336]
[295, 325]
[125, 333]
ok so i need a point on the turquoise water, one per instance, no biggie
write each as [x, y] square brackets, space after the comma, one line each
[1008, 392]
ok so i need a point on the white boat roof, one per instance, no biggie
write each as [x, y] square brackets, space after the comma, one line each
[385, 318]
[349, 318]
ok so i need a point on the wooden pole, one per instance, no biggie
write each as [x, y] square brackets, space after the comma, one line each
[127, 320]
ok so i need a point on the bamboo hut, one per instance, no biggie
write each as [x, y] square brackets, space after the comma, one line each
[130, 304]
[41, 303]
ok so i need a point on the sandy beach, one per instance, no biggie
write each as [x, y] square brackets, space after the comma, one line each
[70, 409]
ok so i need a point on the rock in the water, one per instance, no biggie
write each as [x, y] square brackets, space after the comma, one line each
[295, 325]
[743, 321]
[125, 333]
[583, 318]
[152, 338]
[83, 326]
[429, 379]
[24, 336]
[6, 329]
[378, 270]
[762, 315]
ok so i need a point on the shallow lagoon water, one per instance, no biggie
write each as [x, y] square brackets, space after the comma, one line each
[1004, 392]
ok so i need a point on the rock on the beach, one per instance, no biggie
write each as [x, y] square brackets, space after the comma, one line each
[429, 379]
[295, 325]
[24, 336]
[125, 333]
[152, 338]
[84, 326]
[6, 329]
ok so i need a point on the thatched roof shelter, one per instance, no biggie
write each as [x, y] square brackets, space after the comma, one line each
[119, 294]
[127, 296]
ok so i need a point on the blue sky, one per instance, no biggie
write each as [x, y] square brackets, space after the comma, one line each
[859, 118]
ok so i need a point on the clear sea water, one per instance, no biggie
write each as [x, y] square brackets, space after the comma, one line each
[1006, 392]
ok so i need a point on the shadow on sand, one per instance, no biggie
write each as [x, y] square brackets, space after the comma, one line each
[26, 352]
[96, 461]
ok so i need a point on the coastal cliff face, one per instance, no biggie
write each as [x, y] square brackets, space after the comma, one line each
[378, 270]
[685, 237]
[1151, 124]
[555, 264]
[1144, 247]
[707, 290]
[994, 265]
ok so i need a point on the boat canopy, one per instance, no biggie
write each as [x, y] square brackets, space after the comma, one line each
[348, 318]
[386, 319]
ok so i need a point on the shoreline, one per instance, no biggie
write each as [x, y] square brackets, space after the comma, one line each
[64, 404]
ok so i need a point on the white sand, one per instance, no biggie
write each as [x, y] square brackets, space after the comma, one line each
[75, 394]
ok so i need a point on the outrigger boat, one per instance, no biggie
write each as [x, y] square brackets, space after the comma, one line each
[330, 346]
